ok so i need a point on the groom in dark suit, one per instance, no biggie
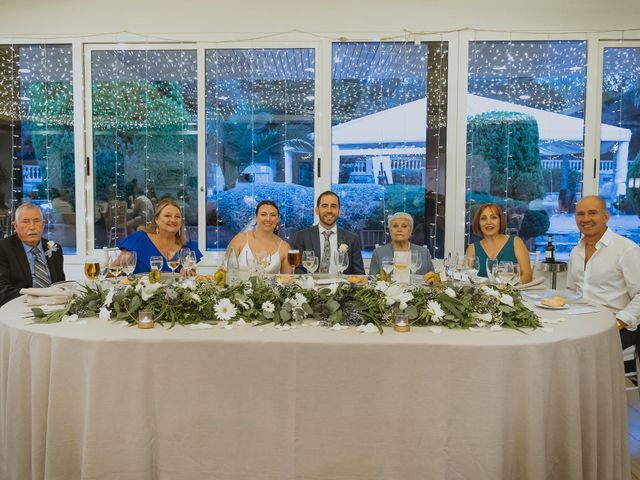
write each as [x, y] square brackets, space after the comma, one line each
[27, 259]
[325, 238]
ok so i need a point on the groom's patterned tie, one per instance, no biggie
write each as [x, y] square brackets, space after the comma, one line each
[41, 269]
[326, 252]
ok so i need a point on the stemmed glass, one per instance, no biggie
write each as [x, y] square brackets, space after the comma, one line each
[293, 257]
[416, 263]
[129, 261]
[115, 263]
[450, 263]
[387, 268]
[471, 265]
[506, 272]
[263, 260]
[342, 261]
[188, 260]
[310, 261]
[103, 260]
[516, 274]
[173, 262]
[493, 270]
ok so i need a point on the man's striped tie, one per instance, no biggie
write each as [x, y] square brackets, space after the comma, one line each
[41, 269]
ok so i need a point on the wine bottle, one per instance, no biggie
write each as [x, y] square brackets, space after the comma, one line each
[550, 250]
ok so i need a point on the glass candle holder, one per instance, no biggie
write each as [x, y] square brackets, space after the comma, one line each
[401, 323]
[145, 319]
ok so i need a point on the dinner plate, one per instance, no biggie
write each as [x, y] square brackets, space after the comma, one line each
[549, 307]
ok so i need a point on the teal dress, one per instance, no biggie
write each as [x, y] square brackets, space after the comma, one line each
[507, 254]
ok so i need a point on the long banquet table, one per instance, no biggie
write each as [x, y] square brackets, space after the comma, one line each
[102, 401]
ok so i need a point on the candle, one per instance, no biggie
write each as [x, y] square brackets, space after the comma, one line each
[401, 323]
[145, 319]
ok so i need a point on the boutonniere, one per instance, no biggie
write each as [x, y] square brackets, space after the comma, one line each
[51, 247]
[343, 248]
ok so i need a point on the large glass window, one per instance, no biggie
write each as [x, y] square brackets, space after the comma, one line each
[388, 120]
[36, 137]
[144, 121]
[260, 143]
[619, 181]
[525, 107]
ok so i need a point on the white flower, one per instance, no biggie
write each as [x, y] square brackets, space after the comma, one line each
[70, 318]
[482, 317]
[343, 248]
[188, 283]
[196, 297]
[225, 309]
[507, 300]
[435, 310]
[396, 293]
[146, 291]
[51, 247]
[109, 298]
[299, 299]
[268, 307]
[248, 288]
[491, 292]
[451, 292]
[104, 314]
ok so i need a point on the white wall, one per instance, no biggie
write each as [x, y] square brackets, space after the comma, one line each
[46, 17]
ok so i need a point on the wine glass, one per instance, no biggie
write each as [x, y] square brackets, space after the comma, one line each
[263, 260]
[187, 260]
[471, 265]
[516, 274]
[103, 260]
[293, 257]
[309, 261]
[129, 261]
[115, 263]
[506, 272]
[492, 269]
[450, 263]
[387, 268]
[91, 269]
[341, 260]
[173, 262]
[156, 263]
[416, 263]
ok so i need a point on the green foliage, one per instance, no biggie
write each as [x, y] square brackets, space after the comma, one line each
[508, 139]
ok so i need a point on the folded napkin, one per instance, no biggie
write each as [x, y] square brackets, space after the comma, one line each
[535, 284]
[55, 295]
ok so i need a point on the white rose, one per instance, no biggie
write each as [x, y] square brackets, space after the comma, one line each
[507, 300]
[343, 247]
[451, 292]
[104, 314]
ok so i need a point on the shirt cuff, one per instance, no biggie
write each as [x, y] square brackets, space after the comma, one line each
[626, 317]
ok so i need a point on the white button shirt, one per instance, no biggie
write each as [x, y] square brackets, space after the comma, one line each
[333, 242]
[611, 277]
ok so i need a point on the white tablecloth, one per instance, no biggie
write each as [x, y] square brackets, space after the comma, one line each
[101, 401]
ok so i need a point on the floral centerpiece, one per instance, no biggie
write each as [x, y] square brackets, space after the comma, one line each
[260, 301]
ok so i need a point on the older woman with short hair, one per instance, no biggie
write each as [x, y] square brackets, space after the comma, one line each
[400, 228]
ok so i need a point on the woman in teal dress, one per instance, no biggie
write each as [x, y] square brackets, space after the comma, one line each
[489, 223]
[165, 236]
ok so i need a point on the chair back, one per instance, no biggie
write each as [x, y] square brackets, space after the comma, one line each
[370, 239]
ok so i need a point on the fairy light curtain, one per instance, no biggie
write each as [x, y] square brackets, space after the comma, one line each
[36, 137]
[388, 137]
[517, 155]
[260, 138]
[144, 111]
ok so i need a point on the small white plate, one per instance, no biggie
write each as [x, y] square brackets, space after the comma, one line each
[549, 307]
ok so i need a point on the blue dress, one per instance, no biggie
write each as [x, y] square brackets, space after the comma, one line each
[506, 254]
[140, 243]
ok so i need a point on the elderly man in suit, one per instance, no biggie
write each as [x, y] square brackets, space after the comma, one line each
[325, 238]
[27, 259]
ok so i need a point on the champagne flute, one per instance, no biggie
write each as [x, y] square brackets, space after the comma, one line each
[516, 274]
[104, 264]
[492, 269]
[91, 269]
[342, 261]
[416, 263]
[293, 257]
[173, 262]
[450, 262]
[309, 261]
[156, 263]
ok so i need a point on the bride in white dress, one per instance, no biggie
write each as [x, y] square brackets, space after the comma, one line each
[262, 241]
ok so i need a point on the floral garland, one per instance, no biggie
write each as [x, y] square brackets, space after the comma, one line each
[260, 301]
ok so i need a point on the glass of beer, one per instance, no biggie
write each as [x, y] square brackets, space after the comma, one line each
[156, 263]
[92, 269]
[293, 257]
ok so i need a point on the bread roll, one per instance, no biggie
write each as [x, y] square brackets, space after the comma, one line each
[556, 301]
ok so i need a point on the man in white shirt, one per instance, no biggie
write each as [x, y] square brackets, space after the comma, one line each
[605, 268]
[325, 238]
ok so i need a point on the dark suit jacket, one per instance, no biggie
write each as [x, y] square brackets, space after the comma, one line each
[309, 239]
[15, 272]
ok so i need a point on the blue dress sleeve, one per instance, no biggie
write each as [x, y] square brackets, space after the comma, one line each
[140, 243]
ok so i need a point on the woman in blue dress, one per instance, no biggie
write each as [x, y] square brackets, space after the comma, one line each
[165, 237]
[489, 223]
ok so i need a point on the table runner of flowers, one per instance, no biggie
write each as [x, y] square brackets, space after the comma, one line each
[260, 301]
